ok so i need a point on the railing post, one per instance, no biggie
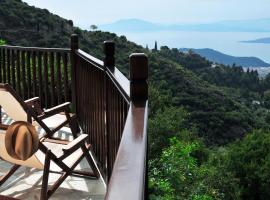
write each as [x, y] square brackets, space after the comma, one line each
[138, 77]
[109, 64]
[74, 46]
[109, 61]
[138, 74]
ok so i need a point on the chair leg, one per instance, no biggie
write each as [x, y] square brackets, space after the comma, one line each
[4, 178]
[45, 192]
[45, 178]
[74, 127]
[0, 115]
[90, 161]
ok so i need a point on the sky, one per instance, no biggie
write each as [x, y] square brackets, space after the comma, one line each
[87, 12]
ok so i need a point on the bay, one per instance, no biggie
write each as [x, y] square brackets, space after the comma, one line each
[225, 42]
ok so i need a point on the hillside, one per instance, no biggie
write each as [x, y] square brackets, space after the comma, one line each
[221, 58]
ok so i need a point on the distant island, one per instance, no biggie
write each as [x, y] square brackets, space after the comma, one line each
[260, 40]
[218, 57]
[255, 25]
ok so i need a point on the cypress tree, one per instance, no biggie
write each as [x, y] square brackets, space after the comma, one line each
[155, 46]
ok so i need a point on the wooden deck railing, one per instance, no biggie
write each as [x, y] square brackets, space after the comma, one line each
[111, 109]
[42, 72]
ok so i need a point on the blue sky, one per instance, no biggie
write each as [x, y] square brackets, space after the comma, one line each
[87, 12]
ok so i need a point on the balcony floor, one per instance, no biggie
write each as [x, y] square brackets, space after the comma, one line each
[26, 182]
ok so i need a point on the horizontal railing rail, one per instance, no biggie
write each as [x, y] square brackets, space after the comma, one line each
[121, 82]
[129, 175]
[91, 59]
[37, 49]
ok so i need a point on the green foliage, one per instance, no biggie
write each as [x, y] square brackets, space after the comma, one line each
[177, 175]
[2, 42]
[78, 31]
[266, 99]
[234, 77]
[163, 126]
[249, 161]
[160, 98]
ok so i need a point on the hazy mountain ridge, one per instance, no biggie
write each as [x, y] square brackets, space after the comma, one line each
[260, 40]
[218, 57]
[255, 25]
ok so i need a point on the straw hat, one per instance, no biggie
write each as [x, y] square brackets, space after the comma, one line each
[21, 140]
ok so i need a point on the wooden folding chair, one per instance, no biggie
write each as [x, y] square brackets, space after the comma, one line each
[53, 155]
[51, 120]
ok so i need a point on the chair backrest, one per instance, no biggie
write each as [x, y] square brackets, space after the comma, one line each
[12, 103]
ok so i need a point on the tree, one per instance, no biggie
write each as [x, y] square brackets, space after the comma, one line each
[93, 27]
[156, 48]
[177, 175]
[70, 22]
[249, 160]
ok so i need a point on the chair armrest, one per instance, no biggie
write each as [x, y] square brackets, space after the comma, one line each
[57, 109]
[35, 104]
[56, 141]
[75, 144]
[32, 100]
[3, 127]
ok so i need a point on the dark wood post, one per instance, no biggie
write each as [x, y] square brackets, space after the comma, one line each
[109, 64]
[74, 46]
[109, 61]
[138, 74]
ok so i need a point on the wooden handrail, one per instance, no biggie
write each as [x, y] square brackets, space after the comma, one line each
[121, 82]
[91, 59]
[117, 77]
[128, 177]
[36, 49]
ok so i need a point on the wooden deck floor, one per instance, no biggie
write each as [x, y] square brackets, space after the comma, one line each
[26, 183]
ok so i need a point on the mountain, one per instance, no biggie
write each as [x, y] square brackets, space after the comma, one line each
[254, 25]
[131, 25]
[218, 57]
[260, 40]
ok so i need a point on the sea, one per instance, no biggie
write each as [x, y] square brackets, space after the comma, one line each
[226, 42]
[230, 43]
